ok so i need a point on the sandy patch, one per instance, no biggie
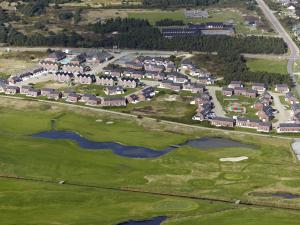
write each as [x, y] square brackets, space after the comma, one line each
[171, 98]
[233, 159]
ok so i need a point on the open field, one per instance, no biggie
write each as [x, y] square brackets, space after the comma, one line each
[166, 105]
[266, 65]
[186, 170]
[18, 61]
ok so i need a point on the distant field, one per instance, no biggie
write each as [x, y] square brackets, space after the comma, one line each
[215, 15]
[267, 65]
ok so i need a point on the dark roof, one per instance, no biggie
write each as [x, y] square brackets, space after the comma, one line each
[48, 89]
[289, 125]
[108, 77]
[227, 89]
[248, 119]
[57, 55]
[80, 58]
[223, 119]
[259, 85]
[282, 85]
[134, 97]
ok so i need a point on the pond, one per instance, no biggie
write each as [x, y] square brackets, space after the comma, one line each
[154, 221]
[138, 151]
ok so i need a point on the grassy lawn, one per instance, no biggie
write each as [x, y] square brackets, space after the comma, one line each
[186, 170]
[244, 101]
[267, 65]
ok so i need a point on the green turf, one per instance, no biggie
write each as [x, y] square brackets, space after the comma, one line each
[267, 65]
[185, 171]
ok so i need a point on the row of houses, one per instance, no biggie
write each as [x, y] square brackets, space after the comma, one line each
[239, 91]
[258, 125]
[259, 87]
[25, 75]
[69, 96]
[105, 80]
[53, 67]
[204, 107]
[73, 62]
[144, 94]
[95, 57]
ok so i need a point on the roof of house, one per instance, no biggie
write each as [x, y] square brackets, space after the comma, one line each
[223, 119]
[57, 55]
[227, 89]
[289, 125]
[282, 86]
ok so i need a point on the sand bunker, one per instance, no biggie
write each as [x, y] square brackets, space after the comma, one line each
[234, 159]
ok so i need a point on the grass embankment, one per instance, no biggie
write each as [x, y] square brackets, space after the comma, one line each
[267, 65]
[187, 170]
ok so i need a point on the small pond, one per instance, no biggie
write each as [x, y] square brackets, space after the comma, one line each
[284, 195]
[205, 143]
[154, 221]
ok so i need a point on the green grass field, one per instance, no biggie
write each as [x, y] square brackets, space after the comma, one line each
[186, 170]
[267, 65]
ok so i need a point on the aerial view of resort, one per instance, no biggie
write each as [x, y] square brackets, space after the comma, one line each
[150, 112]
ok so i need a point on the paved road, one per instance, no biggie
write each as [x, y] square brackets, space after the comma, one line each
[218, 110]
[294, 50]
[283, 114]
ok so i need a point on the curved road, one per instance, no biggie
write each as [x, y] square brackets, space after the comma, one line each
[294, 50]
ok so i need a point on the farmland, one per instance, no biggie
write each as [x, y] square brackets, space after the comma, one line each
[186, 170]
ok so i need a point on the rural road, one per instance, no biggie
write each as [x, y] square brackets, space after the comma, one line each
[294, 50]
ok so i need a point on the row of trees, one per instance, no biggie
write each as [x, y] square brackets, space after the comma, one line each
[167, 3]
[120, 25]
[169, 22]
[233, 67]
